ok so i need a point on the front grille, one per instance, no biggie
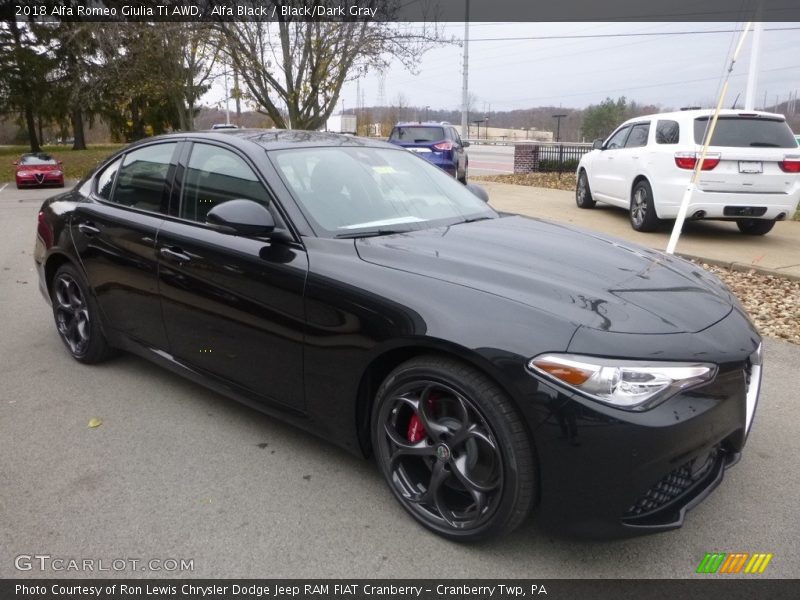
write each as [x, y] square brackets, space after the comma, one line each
[673, 485]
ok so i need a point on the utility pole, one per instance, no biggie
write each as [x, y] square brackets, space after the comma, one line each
[237, 96]
[558, 125]
[465, 77]
[752, 71]
[227, 98]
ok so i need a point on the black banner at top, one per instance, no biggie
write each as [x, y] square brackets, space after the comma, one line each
[405, 10]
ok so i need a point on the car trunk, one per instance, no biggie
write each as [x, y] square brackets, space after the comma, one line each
[751, 150]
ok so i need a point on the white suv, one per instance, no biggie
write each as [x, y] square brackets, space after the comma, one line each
[751, 174]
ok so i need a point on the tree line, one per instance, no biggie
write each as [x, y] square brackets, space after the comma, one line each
[145, 78]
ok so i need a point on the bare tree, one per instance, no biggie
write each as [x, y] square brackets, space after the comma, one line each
[294, 70]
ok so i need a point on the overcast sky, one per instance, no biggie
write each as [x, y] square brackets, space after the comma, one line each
[670, 70]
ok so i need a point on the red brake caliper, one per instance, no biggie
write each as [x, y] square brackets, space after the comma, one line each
[416, 432]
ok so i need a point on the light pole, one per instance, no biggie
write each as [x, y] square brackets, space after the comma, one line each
[426, 112]
[558, 125]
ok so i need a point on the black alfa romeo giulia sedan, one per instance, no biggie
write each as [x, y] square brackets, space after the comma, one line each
[493, 364]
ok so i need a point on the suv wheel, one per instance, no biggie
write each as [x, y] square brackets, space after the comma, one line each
[583, 194]
[643, 211]
[755, 226]
[463, 178]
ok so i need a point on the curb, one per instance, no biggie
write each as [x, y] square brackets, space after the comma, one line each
[739, 267]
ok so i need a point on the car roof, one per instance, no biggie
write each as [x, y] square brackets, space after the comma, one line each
[425, 124]
[274, 139]
[679, 115]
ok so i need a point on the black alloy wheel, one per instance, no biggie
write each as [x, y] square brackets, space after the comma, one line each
[583, 194]
[643, 211]
[76, 317]
[453, 449]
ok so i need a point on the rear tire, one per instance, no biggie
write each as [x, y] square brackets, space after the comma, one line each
[453, 449]
[583, 193]
[77, 317]
[643, 211]
[755, 226]
[463, 178]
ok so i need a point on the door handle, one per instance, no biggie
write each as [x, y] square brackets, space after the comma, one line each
[174, 255]
[88, 229]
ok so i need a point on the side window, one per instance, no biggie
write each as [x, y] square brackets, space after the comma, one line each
[105, 182]
[638, 136]
[216, 175]
[141, 182]
[667, 132]
[618, 139]
[456, 137]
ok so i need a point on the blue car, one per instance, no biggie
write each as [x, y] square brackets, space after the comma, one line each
[439, 143]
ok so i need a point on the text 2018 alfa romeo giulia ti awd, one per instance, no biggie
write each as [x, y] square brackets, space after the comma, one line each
[491, 363]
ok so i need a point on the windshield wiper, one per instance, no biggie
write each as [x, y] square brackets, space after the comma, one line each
[764, 145]
[370, 233]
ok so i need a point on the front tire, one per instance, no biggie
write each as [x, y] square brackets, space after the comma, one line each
[453, 449]
[463, 178]
[755, 226]
[77, 317]
[643, 211]
[583, 193]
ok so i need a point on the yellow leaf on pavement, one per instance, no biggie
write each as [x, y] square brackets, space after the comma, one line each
[94, 422]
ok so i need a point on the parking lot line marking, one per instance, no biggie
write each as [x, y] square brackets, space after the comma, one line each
[5, 185]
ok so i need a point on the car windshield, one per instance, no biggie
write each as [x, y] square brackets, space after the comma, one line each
[417, 135]
[746, 132]
[346, 191]
[37, 159]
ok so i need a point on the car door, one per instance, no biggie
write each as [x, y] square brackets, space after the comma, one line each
[627, 163]
[114, 232]
[233, 305]
[461, 153]
[604, 173]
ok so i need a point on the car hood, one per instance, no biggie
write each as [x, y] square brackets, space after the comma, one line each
[589, 279]
[38, 168]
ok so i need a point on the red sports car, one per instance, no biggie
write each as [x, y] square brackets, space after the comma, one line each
[38, 169]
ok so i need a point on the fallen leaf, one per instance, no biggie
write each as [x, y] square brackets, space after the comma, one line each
[94, 422]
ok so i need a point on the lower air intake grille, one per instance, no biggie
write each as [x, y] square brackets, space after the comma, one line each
[673, 485]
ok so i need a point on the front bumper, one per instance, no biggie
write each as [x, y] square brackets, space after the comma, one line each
[38, 179]
[606, 472]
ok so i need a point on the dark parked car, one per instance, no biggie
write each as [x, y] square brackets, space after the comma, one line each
[38, 169]
[438, 143]
[490, 363]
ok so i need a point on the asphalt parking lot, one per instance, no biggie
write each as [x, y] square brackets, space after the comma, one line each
[178, 472]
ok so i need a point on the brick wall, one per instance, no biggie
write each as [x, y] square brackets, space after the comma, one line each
[526, 158]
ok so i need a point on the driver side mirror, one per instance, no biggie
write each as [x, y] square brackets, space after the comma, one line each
[15, 163]
[597, 144]
[243, 217]
[464, 144]
[478, 191]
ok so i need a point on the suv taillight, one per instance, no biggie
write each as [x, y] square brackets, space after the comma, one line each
[443, 146]
[688, 160]
[790, 164]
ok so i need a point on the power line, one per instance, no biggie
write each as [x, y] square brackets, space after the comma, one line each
[621, 35]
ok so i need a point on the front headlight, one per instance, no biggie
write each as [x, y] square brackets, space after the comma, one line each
[629, 384]
[56, 173]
